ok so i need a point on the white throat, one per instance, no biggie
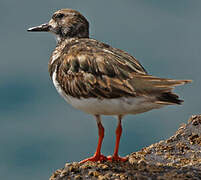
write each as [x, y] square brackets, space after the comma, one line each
[58, 38]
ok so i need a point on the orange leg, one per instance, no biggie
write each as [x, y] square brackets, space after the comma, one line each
[115, 156]
[98, 156]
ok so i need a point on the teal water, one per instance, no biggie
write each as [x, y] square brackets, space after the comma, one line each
[39, 132]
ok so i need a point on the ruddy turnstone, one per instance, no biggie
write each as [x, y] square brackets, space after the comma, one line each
[99, 79]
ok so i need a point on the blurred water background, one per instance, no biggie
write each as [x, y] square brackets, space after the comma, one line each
[39, 131]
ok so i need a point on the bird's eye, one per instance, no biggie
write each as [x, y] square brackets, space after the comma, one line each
[58, 16]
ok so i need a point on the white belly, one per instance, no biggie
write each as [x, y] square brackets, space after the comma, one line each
[115, 106]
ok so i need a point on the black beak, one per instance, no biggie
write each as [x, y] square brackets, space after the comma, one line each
[41, 28]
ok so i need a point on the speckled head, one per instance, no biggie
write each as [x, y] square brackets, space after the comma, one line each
[65, 23]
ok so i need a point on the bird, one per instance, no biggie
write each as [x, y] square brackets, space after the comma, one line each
[101, 80]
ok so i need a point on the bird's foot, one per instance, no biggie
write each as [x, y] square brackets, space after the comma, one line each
[95, 158]
[117, 158]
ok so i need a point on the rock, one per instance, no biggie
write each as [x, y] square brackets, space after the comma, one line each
[178, 157]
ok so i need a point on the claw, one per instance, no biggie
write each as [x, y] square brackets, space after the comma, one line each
[95, 158]
[117, 158]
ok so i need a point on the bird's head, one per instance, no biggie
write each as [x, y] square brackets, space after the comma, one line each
[65, 23]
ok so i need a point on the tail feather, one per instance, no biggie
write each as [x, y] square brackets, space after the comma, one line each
[161, 88]
[147, 83]
[169, 98]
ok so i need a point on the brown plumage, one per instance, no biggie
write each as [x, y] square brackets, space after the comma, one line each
[101, 80]
[89, 68]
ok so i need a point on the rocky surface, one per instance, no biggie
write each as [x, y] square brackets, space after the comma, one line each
[178, 157]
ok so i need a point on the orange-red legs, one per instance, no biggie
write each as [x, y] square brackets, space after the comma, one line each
[115, 156]
[98, 156]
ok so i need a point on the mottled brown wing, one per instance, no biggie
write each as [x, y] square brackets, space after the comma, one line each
[93, 69]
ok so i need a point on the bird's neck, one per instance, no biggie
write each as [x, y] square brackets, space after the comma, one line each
[58, 39]
[71, 34]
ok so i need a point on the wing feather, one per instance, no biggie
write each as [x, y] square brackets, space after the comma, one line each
[94, 69]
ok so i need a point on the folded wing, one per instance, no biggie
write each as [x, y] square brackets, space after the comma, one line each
[106, 72]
